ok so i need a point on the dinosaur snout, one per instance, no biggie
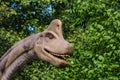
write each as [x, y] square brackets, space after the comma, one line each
[70, 49]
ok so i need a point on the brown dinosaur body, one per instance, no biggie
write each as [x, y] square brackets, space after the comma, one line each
[48, 45]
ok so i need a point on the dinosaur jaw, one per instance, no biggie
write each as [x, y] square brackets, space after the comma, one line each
[60, 59]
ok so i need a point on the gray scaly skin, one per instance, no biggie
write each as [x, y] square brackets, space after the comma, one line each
[48, 45]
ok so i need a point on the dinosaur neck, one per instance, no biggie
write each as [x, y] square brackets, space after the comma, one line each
[16, 64]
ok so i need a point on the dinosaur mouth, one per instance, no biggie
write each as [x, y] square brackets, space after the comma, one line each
[60, 56]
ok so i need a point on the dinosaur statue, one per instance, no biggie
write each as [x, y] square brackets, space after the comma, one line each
[48, 45]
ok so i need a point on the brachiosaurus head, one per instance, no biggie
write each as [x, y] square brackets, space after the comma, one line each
[54, 48]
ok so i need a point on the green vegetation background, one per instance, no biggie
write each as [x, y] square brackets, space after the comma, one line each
[92, 26]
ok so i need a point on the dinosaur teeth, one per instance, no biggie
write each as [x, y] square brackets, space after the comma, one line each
[58, 55]
[67, 55]
[61, 56]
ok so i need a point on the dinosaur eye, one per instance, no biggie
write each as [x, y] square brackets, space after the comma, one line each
[49, 35]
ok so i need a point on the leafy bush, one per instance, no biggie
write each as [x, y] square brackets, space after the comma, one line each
[93, 27]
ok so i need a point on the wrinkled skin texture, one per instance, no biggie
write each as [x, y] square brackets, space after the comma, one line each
[48, 45]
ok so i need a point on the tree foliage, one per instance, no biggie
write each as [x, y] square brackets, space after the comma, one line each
[92, 26]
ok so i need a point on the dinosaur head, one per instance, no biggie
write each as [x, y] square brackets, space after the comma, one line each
[53, 47]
